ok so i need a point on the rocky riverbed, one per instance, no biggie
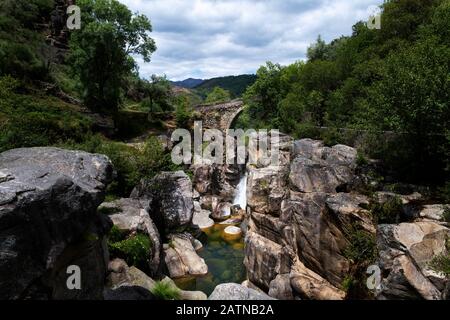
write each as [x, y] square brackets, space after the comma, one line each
[310, 229]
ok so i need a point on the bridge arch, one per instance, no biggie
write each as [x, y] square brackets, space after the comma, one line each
[220, 116]
[234, 117]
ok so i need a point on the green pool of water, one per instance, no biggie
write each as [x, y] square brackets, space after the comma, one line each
[224, 259]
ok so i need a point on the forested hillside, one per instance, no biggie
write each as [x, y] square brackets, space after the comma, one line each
[386, 90]
[236, 85]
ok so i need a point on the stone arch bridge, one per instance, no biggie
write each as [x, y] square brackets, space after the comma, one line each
[220, 116]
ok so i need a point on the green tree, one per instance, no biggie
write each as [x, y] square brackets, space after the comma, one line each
[157, 94]
[318, 50]
[413, 100]
[266, 93]
[218, 95]
[101, 52]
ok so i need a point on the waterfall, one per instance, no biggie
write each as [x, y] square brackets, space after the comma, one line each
[241, 193]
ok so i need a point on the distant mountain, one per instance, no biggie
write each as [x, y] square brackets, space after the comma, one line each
[235, 84]
[188, 83]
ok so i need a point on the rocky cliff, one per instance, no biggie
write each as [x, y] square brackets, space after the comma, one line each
[312, 233]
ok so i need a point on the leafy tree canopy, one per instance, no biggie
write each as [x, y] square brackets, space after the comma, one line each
[101, 52]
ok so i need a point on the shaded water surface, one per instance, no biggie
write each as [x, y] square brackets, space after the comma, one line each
[224, 259]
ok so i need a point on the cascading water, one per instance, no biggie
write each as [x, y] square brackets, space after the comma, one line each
[224, 256]
[241, 193]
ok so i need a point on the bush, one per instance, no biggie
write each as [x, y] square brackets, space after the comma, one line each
[441, 263]
[388, 212]
[447, 215]
[134, 250]
[361, 159]
[116, 235]
[165, 291]
[362, 247]
[35, 120]
[131, 163]
[183, 115]
[348, 283]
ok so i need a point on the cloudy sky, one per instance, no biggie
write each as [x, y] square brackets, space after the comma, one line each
[211, 38]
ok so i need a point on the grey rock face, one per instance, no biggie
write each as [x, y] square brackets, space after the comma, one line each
[168, 199]
[234, 291]
[322, 169]
[49, 221]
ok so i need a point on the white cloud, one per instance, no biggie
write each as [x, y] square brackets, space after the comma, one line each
[209, 38]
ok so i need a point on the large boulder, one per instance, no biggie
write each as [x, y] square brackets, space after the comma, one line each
[434, 212]
[129, 216]
[203, 178]
[168, 198]
[405, 253]
[264, 260]
[234, 291]
[202, 219]
[181, 257]
[266, 188]
[321, 169]
[49, 221]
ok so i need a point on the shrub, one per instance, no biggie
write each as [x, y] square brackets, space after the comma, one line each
[441, 264]
[347, 284]
[362, 247]
[183, 115]
[388, 212]
[36, 120]
[361, 159]
[165, 291]
[116, 235]
[447, 215]
[131, 163]
[134, 250]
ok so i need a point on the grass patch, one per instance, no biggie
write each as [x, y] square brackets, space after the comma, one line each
[166, 291]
